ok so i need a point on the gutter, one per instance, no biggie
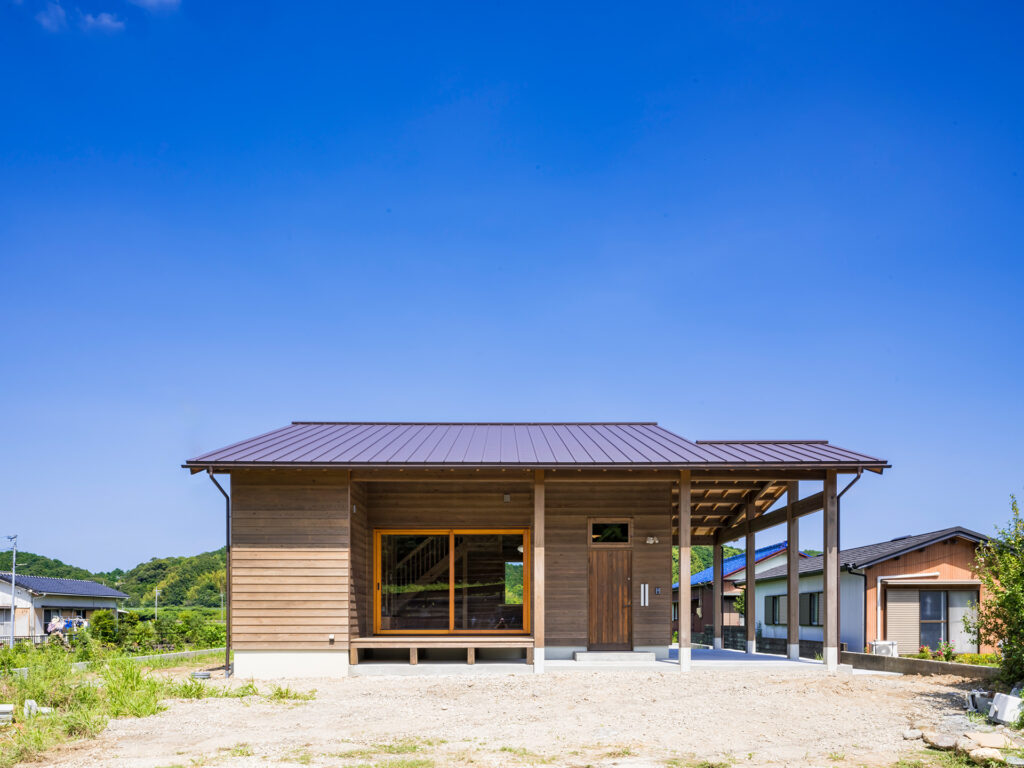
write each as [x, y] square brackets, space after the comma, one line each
[878, 595]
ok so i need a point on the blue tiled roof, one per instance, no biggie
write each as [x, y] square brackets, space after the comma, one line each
[53, 586]
[733, 564]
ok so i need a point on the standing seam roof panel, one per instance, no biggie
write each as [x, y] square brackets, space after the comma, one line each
[339, 446]
[580, 454]
[245, 446]
[349, 448]
[632, 438]
[280, 446]
[683, 447]
[425, 445]
[628, 452]
[310, 450]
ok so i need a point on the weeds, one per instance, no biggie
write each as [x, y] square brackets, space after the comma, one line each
[836, 756]
[619, 752]
[284, 693]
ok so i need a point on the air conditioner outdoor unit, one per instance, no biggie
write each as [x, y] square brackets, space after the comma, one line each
[883, 648]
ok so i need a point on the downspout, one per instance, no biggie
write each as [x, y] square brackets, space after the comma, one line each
[227, 574]
[878, 595]
[839, 555]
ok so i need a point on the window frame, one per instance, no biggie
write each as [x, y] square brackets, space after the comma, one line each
[628, 522]
[452, 533]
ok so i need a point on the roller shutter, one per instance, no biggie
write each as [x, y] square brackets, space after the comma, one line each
[903, 619]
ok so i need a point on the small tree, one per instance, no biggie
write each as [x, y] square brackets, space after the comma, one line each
[103, 626]
[999, 620]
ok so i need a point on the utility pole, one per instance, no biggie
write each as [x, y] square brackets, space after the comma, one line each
[156, 604]
[14, 570]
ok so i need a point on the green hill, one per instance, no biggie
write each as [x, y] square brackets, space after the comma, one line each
[196, 580]
[38, 565]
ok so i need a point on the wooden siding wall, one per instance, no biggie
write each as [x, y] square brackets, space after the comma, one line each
[569, 505]
[361, 593]
[290, 560]
[449, 505]
[951, 559]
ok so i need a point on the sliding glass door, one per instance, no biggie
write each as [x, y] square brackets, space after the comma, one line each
[451, 581]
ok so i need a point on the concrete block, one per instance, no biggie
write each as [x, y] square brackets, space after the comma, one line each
[1005, 709]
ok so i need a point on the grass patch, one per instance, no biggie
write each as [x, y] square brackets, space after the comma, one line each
[284, 693]
[710, 764]
[836, 756]
[619, 752]
[406, 762]
[300, 756]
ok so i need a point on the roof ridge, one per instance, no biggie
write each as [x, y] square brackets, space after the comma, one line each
[481, 423]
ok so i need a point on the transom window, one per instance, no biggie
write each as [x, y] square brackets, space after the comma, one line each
[609, 532]
[451, 581]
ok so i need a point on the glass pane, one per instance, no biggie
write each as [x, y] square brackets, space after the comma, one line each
[489, 581]
[933, 605]
[610, 533]
[932, 633]
[414, 581]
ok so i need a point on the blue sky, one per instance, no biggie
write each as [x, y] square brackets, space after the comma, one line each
[741, 220]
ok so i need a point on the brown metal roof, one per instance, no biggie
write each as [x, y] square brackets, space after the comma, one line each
[611, 444]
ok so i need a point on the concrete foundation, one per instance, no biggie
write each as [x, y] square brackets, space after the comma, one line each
[793, 651]
[751, 646]
[269, 665]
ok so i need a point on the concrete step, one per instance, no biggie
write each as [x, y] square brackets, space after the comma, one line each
[614, 657]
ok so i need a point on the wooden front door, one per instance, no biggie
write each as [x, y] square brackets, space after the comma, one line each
[611, 604]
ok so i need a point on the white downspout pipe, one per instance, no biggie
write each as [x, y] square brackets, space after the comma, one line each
[878, 595]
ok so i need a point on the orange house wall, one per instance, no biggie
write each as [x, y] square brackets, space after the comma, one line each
[951, 559]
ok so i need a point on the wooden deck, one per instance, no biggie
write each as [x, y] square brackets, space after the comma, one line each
[414, 642]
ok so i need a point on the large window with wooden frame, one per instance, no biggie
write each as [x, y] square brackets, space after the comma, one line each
[452, 581]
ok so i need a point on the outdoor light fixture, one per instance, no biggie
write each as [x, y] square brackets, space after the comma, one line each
[652, 539]
[508, 498]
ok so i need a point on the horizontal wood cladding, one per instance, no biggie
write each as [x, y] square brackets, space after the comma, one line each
[290, 579]
[361, 594]
[450, 505]
[568, 508]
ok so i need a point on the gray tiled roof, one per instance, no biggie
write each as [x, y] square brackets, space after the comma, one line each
[54, 586]
[610, 444]
[862, 557]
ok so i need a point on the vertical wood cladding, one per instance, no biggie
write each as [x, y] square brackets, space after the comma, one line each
[290, 560]
[569, 506]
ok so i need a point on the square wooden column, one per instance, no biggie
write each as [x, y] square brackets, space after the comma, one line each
[684, 570]
[831, 571]
[538, 570]
[792, 573]
[750, 599]
[716, 592]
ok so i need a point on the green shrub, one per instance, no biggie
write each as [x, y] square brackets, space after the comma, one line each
[999, 619]
[103, 627]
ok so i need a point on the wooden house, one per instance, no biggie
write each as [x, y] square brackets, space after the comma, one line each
[349, 540]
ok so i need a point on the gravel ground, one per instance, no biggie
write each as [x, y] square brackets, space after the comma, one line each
[578, 718]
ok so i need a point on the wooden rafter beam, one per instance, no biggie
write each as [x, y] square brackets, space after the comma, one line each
[777, 517]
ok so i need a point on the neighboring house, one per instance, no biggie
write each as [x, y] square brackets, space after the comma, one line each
[917, 588]
[349, 540]
[37, 599]
[734, 570]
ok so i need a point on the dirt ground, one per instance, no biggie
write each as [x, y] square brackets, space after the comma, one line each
[744, 717]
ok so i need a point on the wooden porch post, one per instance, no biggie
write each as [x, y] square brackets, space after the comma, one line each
[831, 571]
[538, 570]
[792, 572]
[716, 592]
[750, 599]
[684, 570]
